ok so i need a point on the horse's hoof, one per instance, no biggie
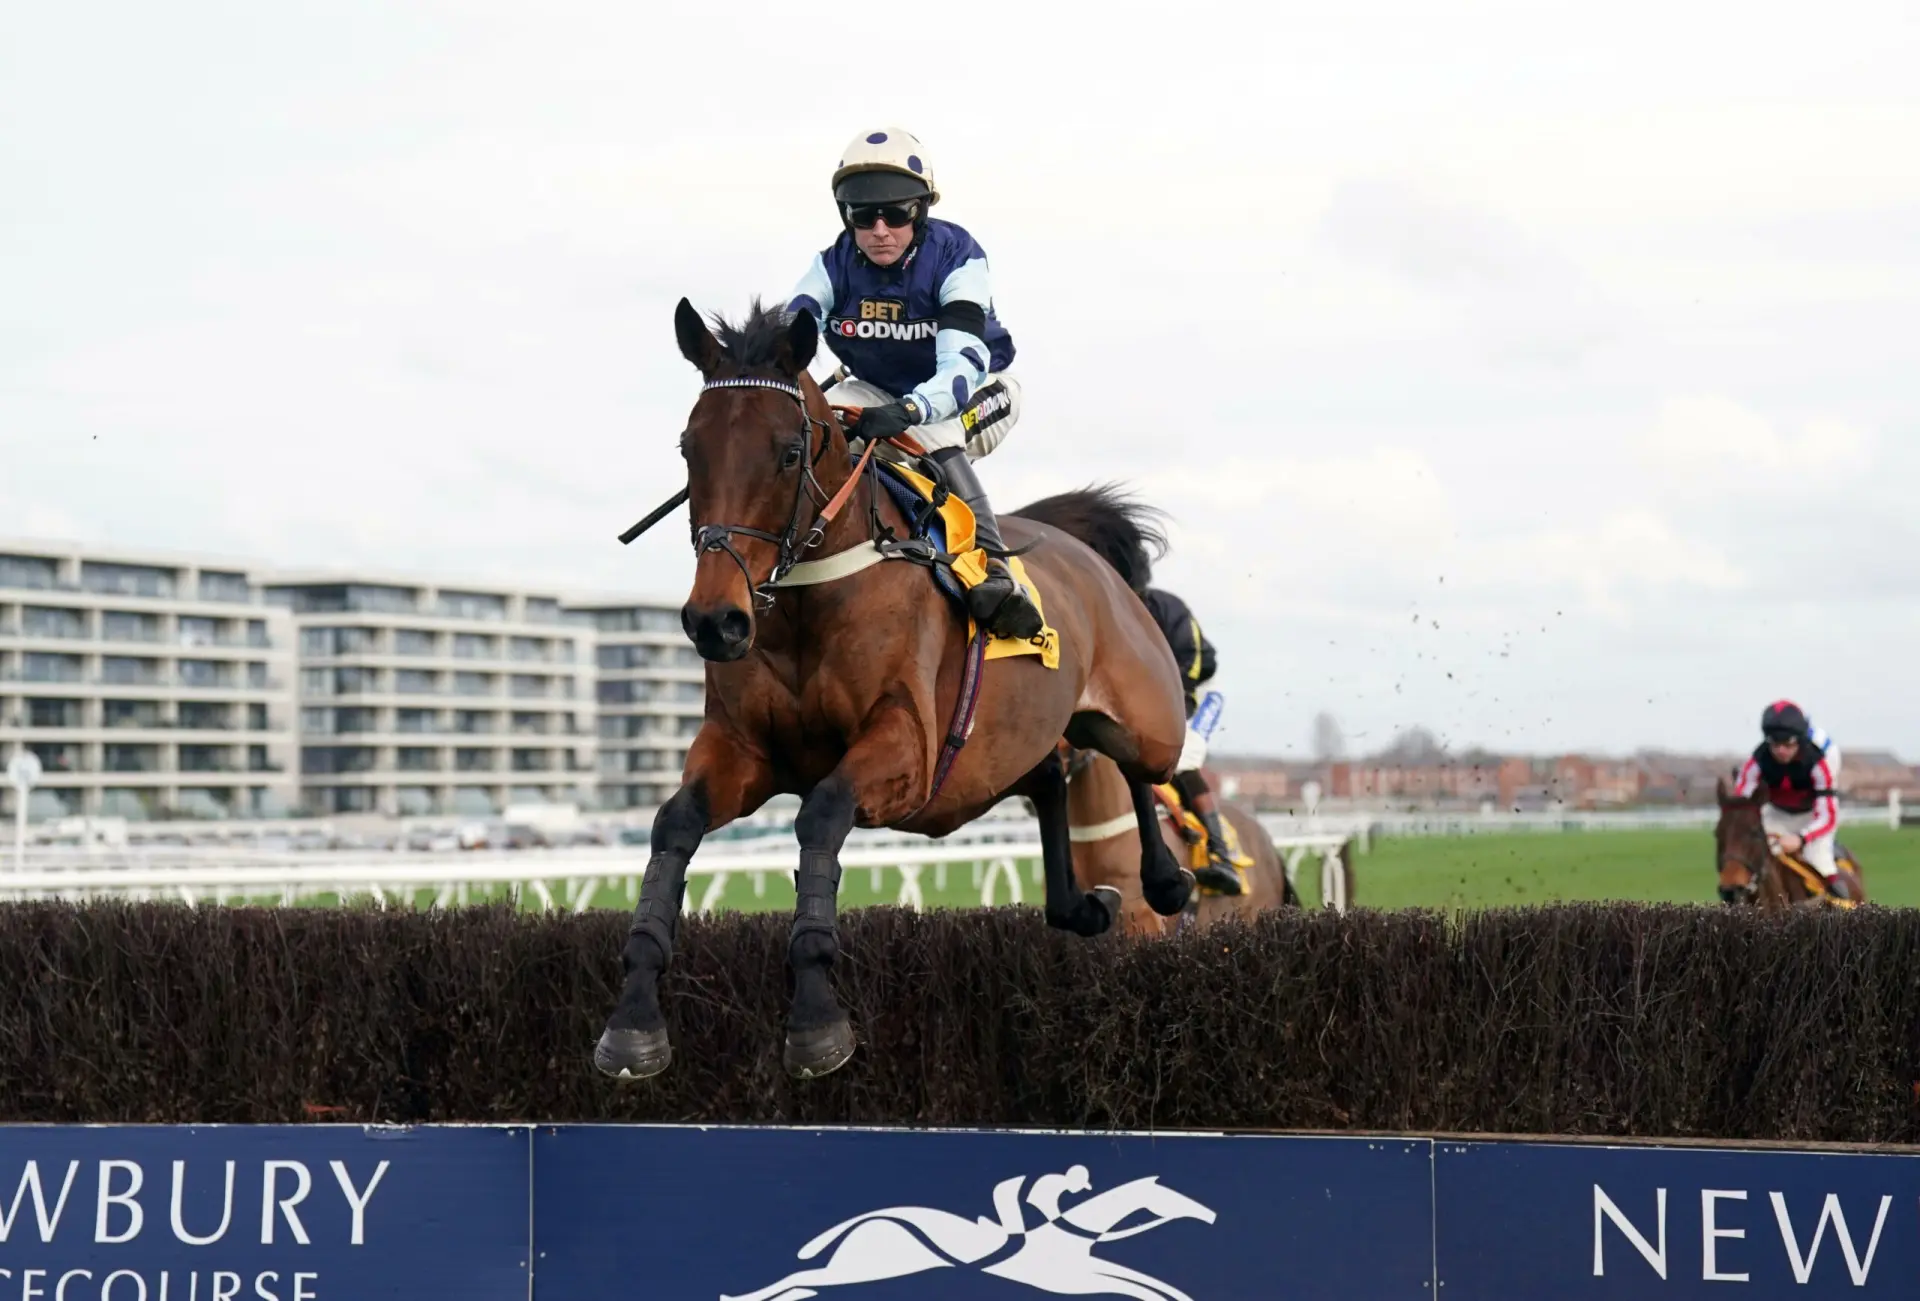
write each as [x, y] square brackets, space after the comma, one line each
[632, 1054]
[1169, 898]
[1108, 900]
[813, 1053]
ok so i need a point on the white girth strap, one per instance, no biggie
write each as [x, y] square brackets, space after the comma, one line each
[1103, 830]
[827, 569]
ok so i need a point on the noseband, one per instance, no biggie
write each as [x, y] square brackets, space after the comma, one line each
[719, 537]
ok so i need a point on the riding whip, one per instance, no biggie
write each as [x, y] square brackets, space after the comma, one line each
[654, 516]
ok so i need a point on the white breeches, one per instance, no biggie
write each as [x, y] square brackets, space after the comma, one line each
[1193, 752]
[1817, 853]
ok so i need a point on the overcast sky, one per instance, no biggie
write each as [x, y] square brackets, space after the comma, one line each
[1545, 374]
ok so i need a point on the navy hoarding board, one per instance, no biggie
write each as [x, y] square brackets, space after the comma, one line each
[638, 1213]
[1517, 1221]
[262, 1213]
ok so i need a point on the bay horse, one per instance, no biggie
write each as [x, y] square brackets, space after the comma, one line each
[1750, 871]
[840, 689]
[1106, 845]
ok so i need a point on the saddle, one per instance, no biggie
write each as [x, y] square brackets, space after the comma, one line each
[941, 538]
[1815, 882]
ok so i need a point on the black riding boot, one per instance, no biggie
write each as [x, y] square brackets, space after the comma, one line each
[1219, 874]
[999, 604]
[1839, 887]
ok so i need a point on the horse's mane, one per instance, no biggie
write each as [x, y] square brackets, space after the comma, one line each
[1120, 529]
[754, 344]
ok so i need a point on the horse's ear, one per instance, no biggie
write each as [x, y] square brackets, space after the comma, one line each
[803, 340]
[697, 343]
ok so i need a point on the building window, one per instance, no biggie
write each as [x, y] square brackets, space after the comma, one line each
[117, 625]
[542, 609]
[414, 801]
[36, 666]
[527, 686]
[47, 621]
[351, 721]
[53, 713]
[28, 571]
[417, 759]
[376, 598]
[127, 580]
[205, 673]
[206, 758]
[473, 684]
[414, 720]
[470, 605]
[525, 724]
[527, 648]
[412, 641]
[257, 675]
[130, 713]
[198, 716]
[256, 718]
[257, 634]
[355, 681]
[473, 721]
[316, 682]
[130, 758]
[216, 586]
[316, 722]
[416, 682]
[465, 760]
[195, 631]
[473, 646]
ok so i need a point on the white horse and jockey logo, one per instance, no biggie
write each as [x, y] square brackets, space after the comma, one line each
[1055, 1255]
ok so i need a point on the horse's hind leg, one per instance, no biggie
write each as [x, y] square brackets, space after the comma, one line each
[722, 783]
[1164, 884]
[1068, 907]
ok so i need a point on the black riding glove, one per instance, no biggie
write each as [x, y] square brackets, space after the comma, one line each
[876, 423]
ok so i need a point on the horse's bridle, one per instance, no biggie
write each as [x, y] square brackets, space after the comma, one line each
[1755, 875]
[719, 537]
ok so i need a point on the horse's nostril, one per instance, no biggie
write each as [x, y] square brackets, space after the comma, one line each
[735, 627]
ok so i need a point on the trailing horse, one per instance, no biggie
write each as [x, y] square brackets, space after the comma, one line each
[1751, 872]
[834, 665]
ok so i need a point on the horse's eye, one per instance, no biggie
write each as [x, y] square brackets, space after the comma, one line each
[791, 459]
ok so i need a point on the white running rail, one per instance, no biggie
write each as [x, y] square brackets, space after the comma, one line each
[571, 878]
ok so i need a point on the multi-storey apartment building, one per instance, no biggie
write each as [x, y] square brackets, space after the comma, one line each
[424, 698]
[145, 684]
[649, 699]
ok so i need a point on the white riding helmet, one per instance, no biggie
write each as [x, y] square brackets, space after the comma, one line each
[884, 166]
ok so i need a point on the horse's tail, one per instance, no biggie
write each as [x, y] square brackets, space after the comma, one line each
[1121, 530]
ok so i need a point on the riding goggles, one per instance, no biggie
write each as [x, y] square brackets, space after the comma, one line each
[897, 215]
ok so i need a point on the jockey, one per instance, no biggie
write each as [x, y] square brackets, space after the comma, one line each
[1193, 654]
[905, 301]
[1798, 766]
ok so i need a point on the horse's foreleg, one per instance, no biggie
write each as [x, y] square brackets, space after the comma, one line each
[877, 781]
[1165, 884]
[1068, 907]
[723, 781]
[819, 1036]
